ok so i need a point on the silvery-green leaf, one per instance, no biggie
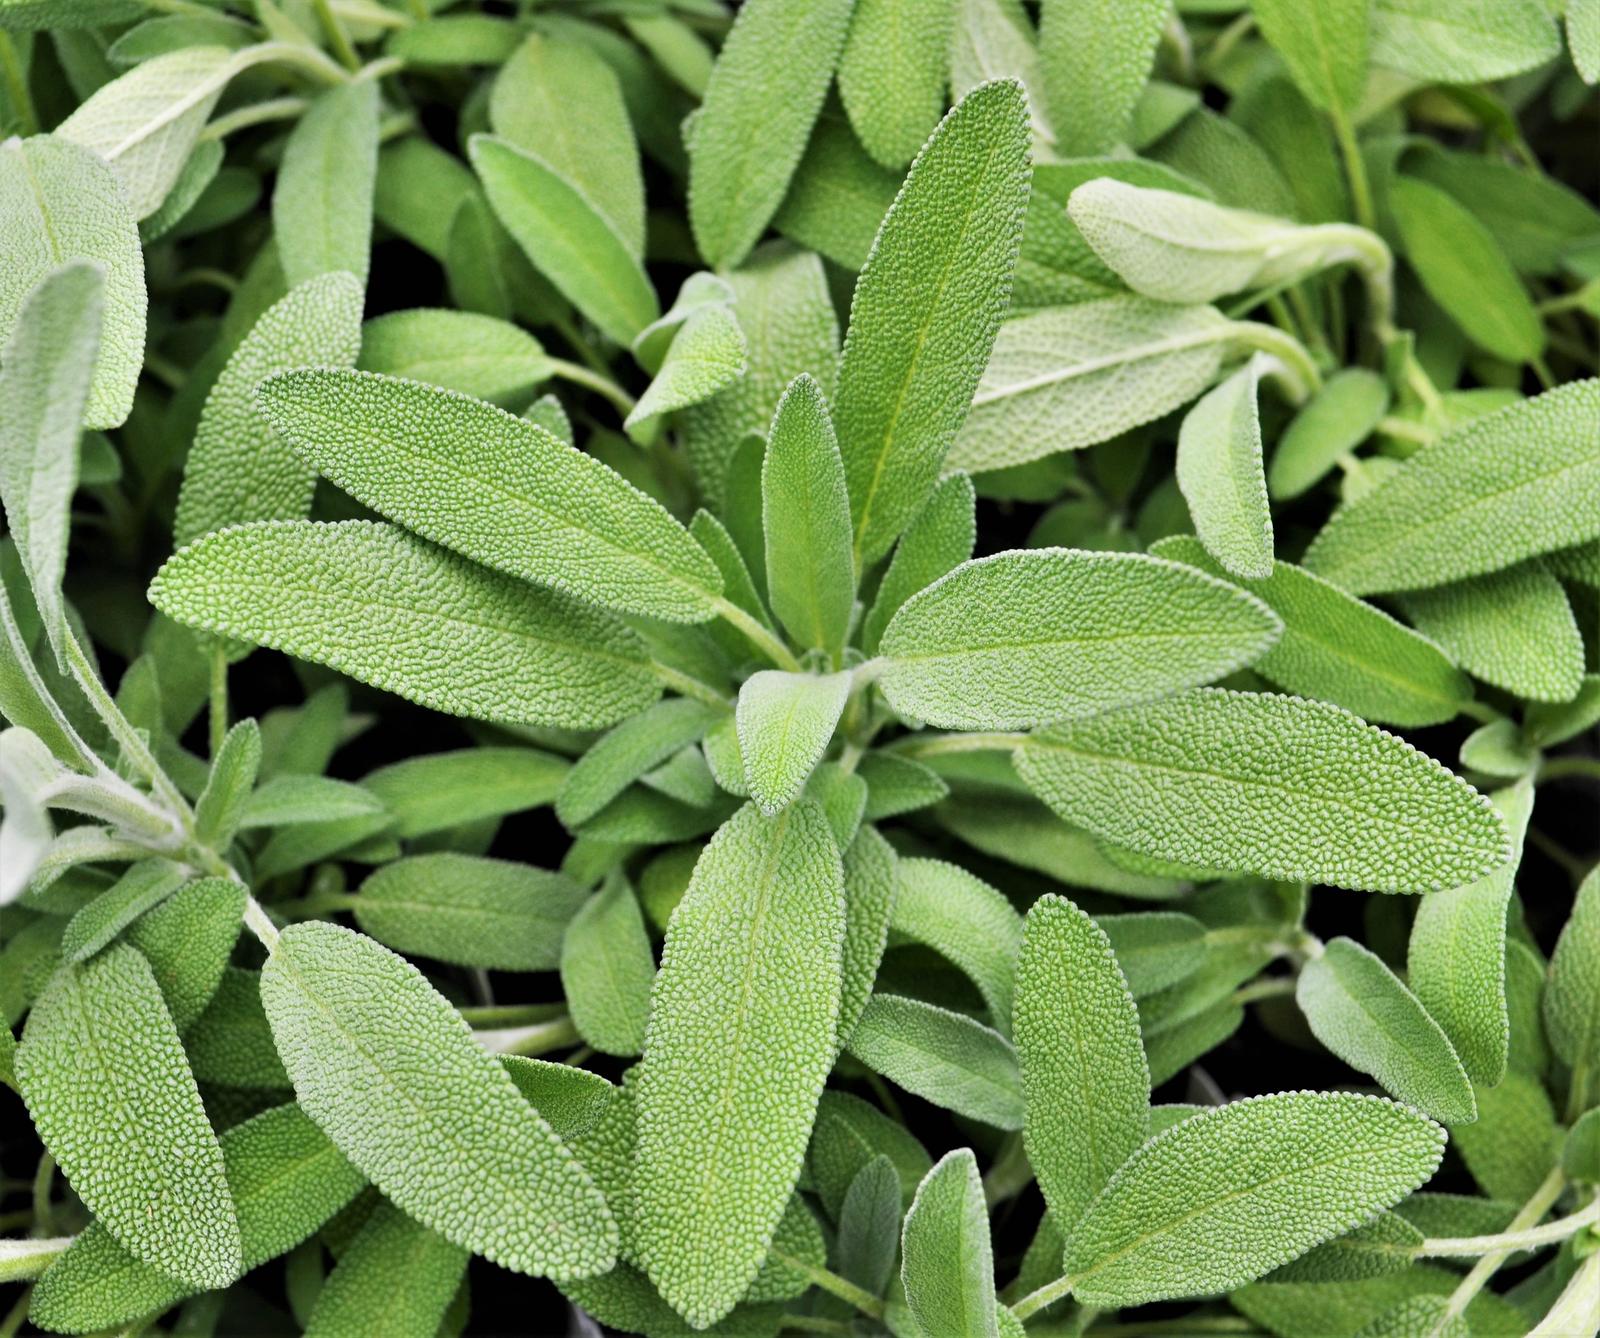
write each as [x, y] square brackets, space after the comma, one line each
[1024, 638]
[572, 1100]
[376, 603]
[1583, 38]
[898, 785]
[322, 203]
[991, 39]
[1064, 378]
[187, 940]
[891, 74]
[869, 1223]
[635, 747]
[459, 350]
[1385, 1245]
[144, 886]
[395, 1277]
[870, 885]
[1334, 421]
[706, 356]
[1324, 44]
[349, 1017]
[1221, 476]
[494, 488]
[220, 809]
[1096, 58]
[1277, 786]
[420, 190]
[1155, 949]
[964, 919]
[940, 537]
[59, 203]
[1572, 997]
[948, 1262]
[745, 144]
[839, 195]
[926, 310]
[1497, 489]
[455, 39]
[1462, 41]
[435, 791]
[700, 290]
[785, 723]
[607, 970]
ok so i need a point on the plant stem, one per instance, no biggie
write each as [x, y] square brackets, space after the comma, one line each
[259, 923]
[1355, 166]
[218, 710]
[596, 381]
[756, 633]
[864, 1301]
[536, 1039]
[939, 744]
[43, 1181]
[1046, 1295]
[815, 1324]
[1550, 1233]
[1558, 768]
[1275, 987]
[1299, 370]
[337, 37]
[687, 686]
[273, 109]
[1485, 1268]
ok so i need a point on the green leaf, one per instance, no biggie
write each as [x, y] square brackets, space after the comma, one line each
[1338, 649]
[1515, 1143]
[1387, 1244]
[1487, 494]
[455, 39]
[349, 1018]
[1457, 957]
[869, 1226]
[944, 1057]
[568, 240]
[239, 468]
[322, 203]
[785, 723]
[1362, 1011]
[1085, 1083]
[839, 195]
[46, 381]
[1155, 949]
[437, 791]
[29, 15]
[111, 1095]
[1583, 38]
[706, 356]
[458, 350]
[1064, 378]
[892, 75]
[745, 143]
[144, 886]
[396, 1277]
[607, 970]
[187, 940]
[627, 753]
[741, 1037]
[1337, 419]
[375, 603]
[993, 39]
[1572, 996]
[1465, 271]
[926, 310]
[573, 1101]
[287, 801]
[438, 462]
[286, 1178]
[1024, 638]
[223, 803]
[1220, 474]
[1324, 44]
[1096, 58]
[964, 919]
[898, 785]
[1271, 785]
[805, 509]
[948, 1268]
[231, 1042]
[1223, 1197]
[849, 1134]
[1462, 41]
[1513, 628]
[940, 537]
[559, 101]
[469, 910]
[870, 885]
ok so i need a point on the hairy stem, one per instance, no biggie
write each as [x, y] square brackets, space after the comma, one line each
[1550, 1233]
[1530, 1212]
[864, 1301]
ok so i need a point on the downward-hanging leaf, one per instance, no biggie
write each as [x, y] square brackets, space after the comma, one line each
[1221, 476]
[1363, 1012]
[494, 488]
[1497, 489]
[1271, 785]
[1096, 58]
[785, 723]
[607, 970]
[1225, 1196]
[1085, 1083]
[239, 469]
[892, 76]
[741, 1037]
[322, 203]
[376, 603]
[349, 1017]
[60, 203]
[1024, 638]
[1572, 997]
[396, 1277]
[1324, 44]
[948, 1262]
[110, 1092]
[46, 381]
[745, 146]
[926, 310]
[964, 919]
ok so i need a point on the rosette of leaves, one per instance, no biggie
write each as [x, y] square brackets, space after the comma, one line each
[894, 879]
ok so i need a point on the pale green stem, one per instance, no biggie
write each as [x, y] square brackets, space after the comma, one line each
[17, 87]
[510, 1015]
[863, 1300]
[337, 37]
[273, 109]
[1559, 767]
[757, 634]
[1550, 1233]
[815, 1324]
[1048, 1294]
[1407, 431]
[43, 1181]
[1275, 988]
[1530, 1212]
[537, 1039]
[1577, 1309]
[686, 686]
[596, 381]
[260, 924]
[1355, 166]
[941, 744]
[1300, 376]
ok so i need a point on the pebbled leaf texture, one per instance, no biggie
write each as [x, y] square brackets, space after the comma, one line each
[1495, 490]
[630, 751]
[374, 602]
[870, 885]
[239, 469]
[745, 147]
[964, 919]
[322, 203]
[478, 355]
[892, 75]
[396, 1278]
[1221, 475]
[740, 1041]
[60, 203]
[495, 488]
[1572, 996]
[110, 1092]
[785, 724]
[1363, 1012]
[349, 1018]
[706, 356]
[948, 1262]
[1024, 638]
[1337, 419]
[1085, 1083]
[436, 791]
[607, 970]
[1096, 58]
[187, 940]
[1277, 786]
[939, 538]
[1462, 41]
[1225, 1196]
[926, 310]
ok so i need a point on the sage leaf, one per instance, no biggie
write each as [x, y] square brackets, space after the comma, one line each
[726, 1095]
[891, 74]
[187, 940]
[607, 970]
[1096, 59]
[478, 355]
[1201, 1207]
[948, 1268]
[627, 753]
[396, 1275]
[110, 1091]
[1334, 421]
[1221, 476]
[221, 806]
[1462, 41]
[1325, 46]
[572, 1100]
[785, 723]
[1002, 642]
[1272, 785]
[939, 538]
[869, 1224]
[145, 885]
[870, 886]
[322, 203]
[707, 355]
[926, 310]
[430, 458]
[1572, 996]
[1155, 949]
[966, 920]
[437, 791]
[383, 600]
[287, 801]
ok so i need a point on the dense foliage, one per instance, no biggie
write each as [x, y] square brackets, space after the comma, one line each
[509, 750]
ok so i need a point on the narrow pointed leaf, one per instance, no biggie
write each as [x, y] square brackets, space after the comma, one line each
[948, 1267]
[624, 755]
[706, 356]
[607, 970]
[940, 538]
[869, 1226]
[1324, 44]
[144, 886]
[964, 919]
[1096, 58]
[870, 884]
[222, 804]
[1221, 475]
[1335, 420]
[478, 355]
[322, 203]
[785, 723]
[396, 1277]
[1572, 997]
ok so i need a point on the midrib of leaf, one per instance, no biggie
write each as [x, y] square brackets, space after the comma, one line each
[993, 646]
[891, 430]
[1375, 668]
[449, 908]
[1106, 362]
[1388, 1034]
[46, 219]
